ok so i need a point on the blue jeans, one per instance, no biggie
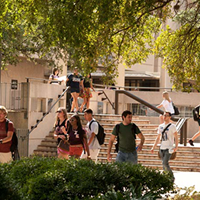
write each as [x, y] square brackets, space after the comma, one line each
[127, 157]
[165, 156]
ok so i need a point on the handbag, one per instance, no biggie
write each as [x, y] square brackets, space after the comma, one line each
[64, 145]
[173, 156]
[176, 111]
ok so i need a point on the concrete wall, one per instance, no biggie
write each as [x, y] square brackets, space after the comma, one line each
[41, 98]
[26, 69]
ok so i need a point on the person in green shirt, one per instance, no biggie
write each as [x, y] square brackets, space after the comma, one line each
[127, 145]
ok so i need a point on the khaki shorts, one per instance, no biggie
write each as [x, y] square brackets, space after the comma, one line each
[5, 157]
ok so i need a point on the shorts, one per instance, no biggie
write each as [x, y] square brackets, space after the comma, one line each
[198, 121]
[75, 151]
[77, 90]
[62, 151]
[5, 157]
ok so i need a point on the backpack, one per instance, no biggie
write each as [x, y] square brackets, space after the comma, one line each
[100, 135]
[117, 132]
[196, 113]
[176, 111]
[14, 145]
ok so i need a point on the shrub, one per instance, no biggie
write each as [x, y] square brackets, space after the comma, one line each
[52, 178]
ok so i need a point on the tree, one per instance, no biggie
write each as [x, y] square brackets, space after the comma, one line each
[181, 48]
[88, 32]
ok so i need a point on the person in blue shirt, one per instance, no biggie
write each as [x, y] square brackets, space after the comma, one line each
[75, 80]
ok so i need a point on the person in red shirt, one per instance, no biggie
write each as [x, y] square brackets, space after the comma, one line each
[5, 137]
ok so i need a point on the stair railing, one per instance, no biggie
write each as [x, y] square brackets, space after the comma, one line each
[181, 124]
[45, 114]
[106, 97]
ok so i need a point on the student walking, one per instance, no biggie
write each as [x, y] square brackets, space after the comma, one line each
[59, 133]
[75, 80]
[197, 134]
[126, 132]
[168, 135]
[77, 138]
[87, 94]
[5, 137]
[167, 104]
[92, 129]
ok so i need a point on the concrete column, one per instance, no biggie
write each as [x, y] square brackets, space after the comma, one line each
[120, 80]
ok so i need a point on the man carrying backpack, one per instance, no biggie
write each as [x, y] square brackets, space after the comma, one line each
[126, 132]
[92, 129]
[5, 137]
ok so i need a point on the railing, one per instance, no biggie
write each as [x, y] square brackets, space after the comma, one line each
[181, 122]
[102, 92]
[45, 114]
[132, 87]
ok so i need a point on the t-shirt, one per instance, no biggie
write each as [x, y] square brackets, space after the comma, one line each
[168, 106]
[168, 137]
[75, 80]
[126, 138]
[75, 138]
[5, 147]
[52, 76]
[94, 129]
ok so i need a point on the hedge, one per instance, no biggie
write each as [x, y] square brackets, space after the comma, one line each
[40, 178]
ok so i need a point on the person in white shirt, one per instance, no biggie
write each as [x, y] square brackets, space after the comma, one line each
[167, 105]
[92, 129]
[168, 138]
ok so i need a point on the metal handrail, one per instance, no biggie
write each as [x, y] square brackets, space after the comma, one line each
[181, 124]
[45, 114]
[117, 92]
[133, 87]
[102, 92]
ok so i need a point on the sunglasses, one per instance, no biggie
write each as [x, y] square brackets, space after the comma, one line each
[166, 115]
[59, 111]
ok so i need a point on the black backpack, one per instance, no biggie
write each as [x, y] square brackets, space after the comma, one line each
[117, 132]
[14, 145]
[100, 135]
[195, 112]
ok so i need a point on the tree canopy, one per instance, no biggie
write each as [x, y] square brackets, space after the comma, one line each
[88, 33]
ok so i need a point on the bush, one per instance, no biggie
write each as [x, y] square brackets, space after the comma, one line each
[51, 178]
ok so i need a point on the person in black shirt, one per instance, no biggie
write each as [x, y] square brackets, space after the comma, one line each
[74, 81]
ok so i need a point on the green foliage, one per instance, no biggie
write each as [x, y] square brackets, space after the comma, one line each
[84, 33]
[51, 178]
[180, 48]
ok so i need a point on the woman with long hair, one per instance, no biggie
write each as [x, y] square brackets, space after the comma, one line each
[87, 92]
[77, 137]
[75, 80]
[53, 78]
[167, 105]
[60, 126]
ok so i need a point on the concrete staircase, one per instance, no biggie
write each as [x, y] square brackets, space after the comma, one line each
[187, 157]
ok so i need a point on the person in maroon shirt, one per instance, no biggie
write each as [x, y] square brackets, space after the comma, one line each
[5, 138]
[77, 137]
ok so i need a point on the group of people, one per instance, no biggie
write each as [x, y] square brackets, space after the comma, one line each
[81, 142]
[79, 87]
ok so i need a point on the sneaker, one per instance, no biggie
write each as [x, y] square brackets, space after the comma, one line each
[191, 142]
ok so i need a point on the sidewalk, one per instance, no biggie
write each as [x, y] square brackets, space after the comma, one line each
[187, 179]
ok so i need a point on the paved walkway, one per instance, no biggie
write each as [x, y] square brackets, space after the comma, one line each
[187, 179]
